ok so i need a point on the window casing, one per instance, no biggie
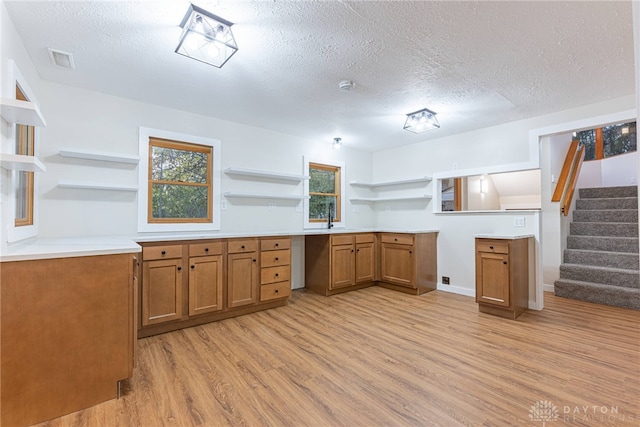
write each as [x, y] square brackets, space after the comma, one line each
[324, 192]
[25, 145]
[179, 182]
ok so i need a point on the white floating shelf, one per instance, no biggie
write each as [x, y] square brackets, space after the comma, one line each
[265, 174]
[264, 196]
[390, 199]
[19, 162]
[21, 112]
[387, 183]
[95, 186]
[99, 155]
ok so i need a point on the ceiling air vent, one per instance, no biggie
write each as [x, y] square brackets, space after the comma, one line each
[61, 59]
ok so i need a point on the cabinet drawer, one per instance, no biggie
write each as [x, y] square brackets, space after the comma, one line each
[161, 252]
[275, 258]
[275, 291]
[344, 239]
[401, 239]
[275, 244]
[492, 246]
[275, 274]
[365, 238]
[203, 249]
[240, 246]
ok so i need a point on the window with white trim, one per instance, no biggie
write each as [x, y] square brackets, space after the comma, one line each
[325, 192]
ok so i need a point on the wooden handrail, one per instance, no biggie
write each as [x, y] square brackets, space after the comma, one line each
[564, 173]
[575, 171]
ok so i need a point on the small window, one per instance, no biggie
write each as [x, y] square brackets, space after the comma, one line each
[324, 192]
[180, 187]
[25, 146]
[608, 141]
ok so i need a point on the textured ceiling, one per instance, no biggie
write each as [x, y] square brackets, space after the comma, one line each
[474, 63]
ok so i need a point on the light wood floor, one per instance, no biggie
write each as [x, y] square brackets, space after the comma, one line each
[376, 357]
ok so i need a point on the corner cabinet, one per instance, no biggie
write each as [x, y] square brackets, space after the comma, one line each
[502, 276]
[188, 283]
[408, 262]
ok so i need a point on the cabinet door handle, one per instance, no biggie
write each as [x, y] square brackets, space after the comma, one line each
[254, 260]
[504, 262]
[163, 252]
[179, 268]
[351, 250]
[193, 267]
[410, 252]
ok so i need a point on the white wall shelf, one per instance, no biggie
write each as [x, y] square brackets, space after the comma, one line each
[265, 174]
[95, 186]
[19, 162]
[423, 179]
[264, 196]
[99, 155]
[390, 199]
[21, 112]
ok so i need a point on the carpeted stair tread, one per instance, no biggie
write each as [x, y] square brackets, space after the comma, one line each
[603, 275]
[598, 293]
[608, 192]
[611, 229]
[606, 215]
[607, 203]
[622, 260]
[604, 243]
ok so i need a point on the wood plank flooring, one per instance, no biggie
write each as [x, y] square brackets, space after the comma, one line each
[376, 357]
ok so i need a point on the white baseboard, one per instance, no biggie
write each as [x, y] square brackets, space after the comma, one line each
[548, 288]
[457, 290]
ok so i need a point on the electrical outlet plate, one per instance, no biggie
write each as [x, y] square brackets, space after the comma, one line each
[272, 206]
[518, 221]
[446, 280]
[223, 205]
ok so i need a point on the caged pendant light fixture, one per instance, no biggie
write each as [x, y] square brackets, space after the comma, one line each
[421, 120]
[206, 37]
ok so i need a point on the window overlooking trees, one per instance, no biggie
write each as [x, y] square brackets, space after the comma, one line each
[180, 187]
[608, 141]
[324, 192]
[25, 145]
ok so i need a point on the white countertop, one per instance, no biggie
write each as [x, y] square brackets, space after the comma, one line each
[503, 236]
[99, 245]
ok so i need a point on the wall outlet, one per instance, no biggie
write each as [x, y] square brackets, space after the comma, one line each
[272, 206]
[553, 178]
[446, 280]
[518, 221]
[223, 205]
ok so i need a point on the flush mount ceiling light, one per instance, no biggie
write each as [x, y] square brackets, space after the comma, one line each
[421, 120]
[337, 143]
[61, 59]
[206, 37]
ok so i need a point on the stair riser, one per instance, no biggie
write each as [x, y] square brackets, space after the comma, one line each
[620, 203]
[608, 192]
[615, 278]
[604, 229]
[603, 244]
[619, 297]
[602, 259]
[627, 216]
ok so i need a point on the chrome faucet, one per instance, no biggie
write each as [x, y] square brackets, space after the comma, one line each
[330, 217]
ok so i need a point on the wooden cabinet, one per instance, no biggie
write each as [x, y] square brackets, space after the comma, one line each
[67, 335]
[162, 292]
[205, 277]
[242, 272]
[275, 268]
[408, 261]
[502, 276]
[339, 262]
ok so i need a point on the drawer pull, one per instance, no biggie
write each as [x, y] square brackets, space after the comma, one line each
[395, 239]
[277, 274]
[491, 247]
[276, 258]
[277, 291]
[277, 244]
[206, 249]
[242, 247]
[163, 252]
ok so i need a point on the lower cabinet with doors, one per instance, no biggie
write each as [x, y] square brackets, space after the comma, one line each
[338, 263]
[408, 262]
[194, 282]
[502, 276]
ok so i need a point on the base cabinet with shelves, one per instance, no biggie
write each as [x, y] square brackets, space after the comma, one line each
[188, 283]
[408, 262]
[502, 276]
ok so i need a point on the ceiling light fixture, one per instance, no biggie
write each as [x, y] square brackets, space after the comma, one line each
[61, 59]
[337, 143]
[206, 37]
[421, 120]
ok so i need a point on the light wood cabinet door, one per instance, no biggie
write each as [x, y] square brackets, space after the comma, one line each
[242, 279]
[492, 270]
[342, 266]
[397, 264]
[365, 262]
[205, 284]
[161, 291]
